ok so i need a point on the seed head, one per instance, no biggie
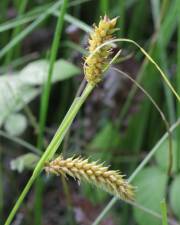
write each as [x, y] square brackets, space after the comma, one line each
[94, 173]
[97, 60]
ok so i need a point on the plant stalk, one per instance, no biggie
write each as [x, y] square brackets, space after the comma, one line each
[52, 147]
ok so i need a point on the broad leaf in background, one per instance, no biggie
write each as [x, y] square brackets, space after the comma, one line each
[162, 156]
[15, 124]
[174, 196]
[26, 161]
[19, 89]
[151, 185]
[14, 97]
[105, 142]
[36, 72]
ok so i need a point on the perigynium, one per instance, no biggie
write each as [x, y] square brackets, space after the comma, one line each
[92, 172]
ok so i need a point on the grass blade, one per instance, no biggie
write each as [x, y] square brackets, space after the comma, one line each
[25, 18]
[121, 21]
[161, 52]
[104, 7]
[44, 106]
[166, 30]
[21, 8]
[47, 87]
[29, 29]
[164, 213]
[83, 26]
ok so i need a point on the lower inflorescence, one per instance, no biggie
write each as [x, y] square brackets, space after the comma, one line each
[94, 173]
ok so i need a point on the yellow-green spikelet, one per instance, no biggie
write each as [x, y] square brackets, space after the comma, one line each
[96, 62]
[109, 180]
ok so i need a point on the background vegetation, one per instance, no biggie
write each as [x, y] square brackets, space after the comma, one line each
[46, 40]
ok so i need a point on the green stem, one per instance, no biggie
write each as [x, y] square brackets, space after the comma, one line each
[52, 147]
[4, 9]
[104, 6]
[168, 93]
[164, 212]
[38, 193]
[19, 201]
[1, 187]
[165, 5]
[121, 21]
[47, 88]
[44, 106]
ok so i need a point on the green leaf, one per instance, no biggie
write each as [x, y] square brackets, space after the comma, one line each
[174, 196]
[26, 161]
[13, 98]
[18, 89]
[36, 72]
[108, 137]
[105, 141]
[151, 185]
[64, 70]
[162, 156]
[15, 124]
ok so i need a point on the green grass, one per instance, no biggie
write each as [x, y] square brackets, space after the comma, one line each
[153, 26]
[178, 86]
[14, 53]
[164, 213]
[104, 7]
[29, 29]
[134, 174]
[1, 188]
[44, 105]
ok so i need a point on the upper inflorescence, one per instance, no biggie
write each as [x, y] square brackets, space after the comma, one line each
[78, 168]
[97, 60]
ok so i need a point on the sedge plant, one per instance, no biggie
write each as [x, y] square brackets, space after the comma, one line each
[93, 75]
[100, 47]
